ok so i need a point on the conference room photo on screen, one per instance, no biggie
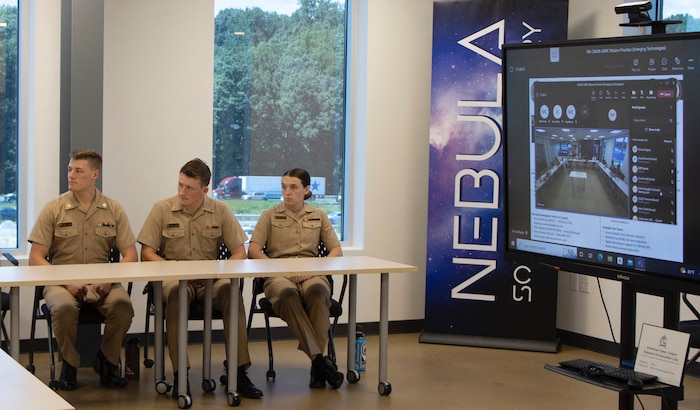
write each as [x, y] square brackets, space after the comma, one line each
[600, 142]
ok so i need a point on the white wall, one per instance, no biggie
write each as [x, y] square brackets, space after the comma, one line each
[158, 110]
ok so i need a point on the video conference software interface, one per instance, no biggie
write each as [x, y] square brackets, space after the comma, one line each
[610, 126]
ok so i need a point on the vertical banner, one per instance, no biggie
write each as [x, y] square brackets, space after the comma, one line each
[473, 296]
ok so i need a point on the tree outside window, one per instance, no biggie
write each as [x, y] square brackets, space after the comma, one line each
[9, 83]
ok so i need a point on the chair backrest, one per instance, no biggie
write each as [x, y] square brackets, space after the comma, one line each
[10, 258]
[689, 305]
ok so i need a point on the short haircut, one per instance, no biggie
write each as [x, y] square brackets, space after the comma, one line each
[198, 169]
[93, 157]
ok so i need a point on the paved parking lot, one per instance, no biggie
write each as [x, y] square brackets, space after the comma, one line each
[8, 234]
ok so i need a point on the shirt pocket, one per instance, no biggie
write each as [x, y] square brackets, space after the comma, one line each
[316, 224]
[173, 233]
[281, 224]
[106, 231]
[210, 240]
[65, 233]
[212, 232]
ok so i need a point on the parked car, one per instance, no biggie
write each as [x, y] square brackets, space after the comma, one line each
[255, 196]
[335, 217]
[9, 214]
[10, 197]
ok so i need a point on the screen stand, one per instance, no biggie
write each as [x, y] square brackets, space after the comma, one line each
[628, 314]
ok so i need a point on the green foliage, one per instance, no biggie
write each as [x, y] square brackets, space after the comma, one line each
[9, 82]
[279, 86]
[689, 23]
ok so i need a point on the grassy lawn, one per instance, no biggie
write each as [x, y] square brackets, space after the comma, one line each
[243, 207]
[248, 212]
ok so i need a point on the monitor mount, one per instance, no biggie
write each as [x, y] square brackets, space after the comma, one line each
[638, 14]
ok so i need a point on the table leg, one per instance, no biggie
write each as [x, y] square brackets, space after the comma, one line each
[182, 340]
[384, 385]
[158, 332]
[232, 396]
[352, 375]
[206, 340]
[14, 323]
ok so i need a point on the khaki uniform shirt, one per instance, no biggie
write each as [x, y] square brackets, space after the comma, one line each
[179, 235]
[285, 234]
[76, 236]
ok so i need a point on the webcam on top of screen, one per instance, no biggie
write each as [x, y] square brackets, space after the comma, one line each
[637, 11]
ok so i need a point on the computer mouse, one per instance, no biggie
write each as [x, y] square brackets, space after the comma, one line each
[635, 384]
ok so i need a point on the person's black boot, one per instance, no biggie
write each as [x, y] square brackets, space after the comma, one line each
[245, 387]
[109, 373]
[318, 380]
[329, 371]
[69, 377]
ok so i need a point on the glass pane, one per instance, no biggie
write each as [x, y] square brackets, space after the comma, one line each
[8, 124]
[687, 11]
[279, 102]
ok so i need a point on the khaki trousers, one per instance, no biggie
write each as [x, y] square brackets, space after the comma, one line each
[115, 307]
[220, 301]
[305, 307]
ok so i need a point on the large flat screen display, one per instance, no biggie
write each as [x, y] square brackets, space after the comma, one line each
[602, 148]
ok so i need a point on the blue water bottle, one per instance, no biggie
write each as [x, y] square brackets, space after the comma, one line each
[360, 349]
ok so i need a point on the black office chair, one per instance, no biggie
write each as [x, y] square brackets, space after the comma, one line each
[196, 313]
[692, 327]
[264, 306]
[5, 306]
[88, 315]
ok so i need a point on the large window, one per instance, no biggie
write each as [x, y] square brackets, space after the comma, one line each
[8, 124]
[279, 102]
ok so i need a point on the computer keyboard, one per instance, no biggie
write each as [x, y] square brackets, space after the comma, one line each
[604, 369]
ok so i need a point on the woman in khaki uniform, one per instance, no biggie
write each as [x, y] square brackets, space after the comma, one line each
[294, 229]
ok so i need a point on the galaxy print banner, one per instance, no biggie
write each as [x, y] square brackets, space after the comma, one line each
[473, 296]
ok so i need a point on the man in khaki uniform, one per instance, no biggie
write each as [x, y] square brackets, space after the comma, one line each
[81, 226]
[192, 226]
[294, 229]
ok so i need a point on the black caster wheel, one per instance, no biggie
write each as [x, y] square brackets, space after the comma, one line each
[384, 388]
[338, 380]
[30, 368]
[148, 363]
[271, 375]
[208, 385]
[184, 401]
[353, 376]
[162, 387]
[122, 382]
[223, 379]
[233, 399]
[53, 384]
